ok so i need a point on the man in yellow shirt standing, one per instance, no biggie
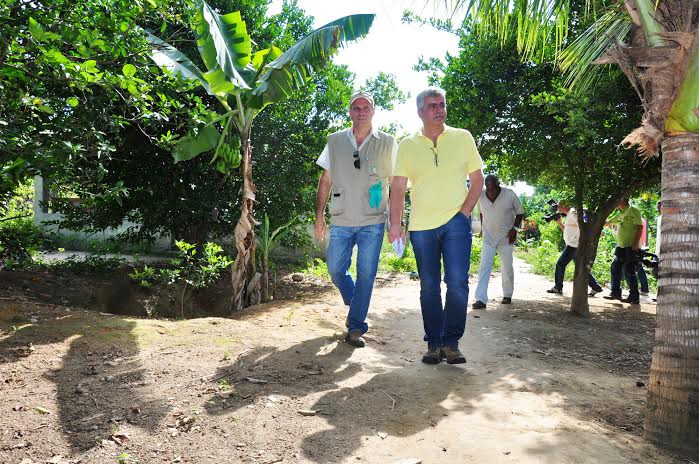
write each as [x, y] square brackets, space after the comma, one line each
[628, 238]
[438, 161]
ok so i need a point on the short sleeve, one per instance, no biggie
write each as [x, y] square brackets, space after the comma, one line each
[402, 168]
[394, 154]
[473, 158]
[636, 217]
[517, 204]
[324, 159]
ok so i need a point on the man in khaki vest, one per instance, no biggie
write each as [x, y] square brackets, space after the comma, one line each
[357, 165]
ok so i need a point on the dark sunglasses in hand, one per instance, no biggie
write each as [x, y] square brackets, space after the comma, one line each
[357, 163]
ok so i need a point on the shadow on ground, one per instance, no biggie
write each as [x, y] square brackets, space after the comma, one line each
[97, 380]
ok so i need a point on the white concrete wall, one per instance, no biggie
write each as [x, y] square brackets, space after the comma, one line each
[42, 215]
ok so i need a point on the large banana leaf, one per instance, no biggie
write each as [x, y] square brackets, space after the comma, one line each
[193, 145]
[223, 42]
[167, 56]
[292, 69]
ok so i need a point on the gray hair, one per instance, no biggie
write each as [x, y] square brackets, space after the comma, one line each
[491, 178]
[429, 92]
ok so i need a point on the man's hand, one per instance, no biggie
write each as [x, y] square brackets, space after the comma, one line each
[395, 232]
[320, 228]
[512, 236]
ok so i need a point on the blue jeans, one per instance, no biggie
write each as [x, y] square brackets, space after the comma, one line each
[642, 278]
[355, 294]
[566, 257]
[623, 266]
[451, 242]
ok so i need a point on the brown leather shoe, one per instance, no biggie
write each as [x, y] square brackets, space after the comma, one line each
[453, 355]
[432, 356]
[355, 338]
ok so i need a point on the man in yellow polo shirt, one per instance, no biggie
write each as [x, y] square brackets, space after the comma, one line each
[438, 161]
[628, 238]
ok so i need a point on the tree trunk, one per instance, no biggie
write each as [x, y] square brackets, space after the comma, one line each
[245, 279]
[579, 304]
[672, 416]
[584, 259]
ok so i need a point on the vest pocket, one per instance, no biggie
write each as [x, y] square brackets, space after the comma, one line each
[367, 202]
[337, 201]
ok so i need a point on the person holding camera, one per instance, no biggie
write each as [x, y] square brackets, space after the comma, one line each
[629, 230]
[571, 236]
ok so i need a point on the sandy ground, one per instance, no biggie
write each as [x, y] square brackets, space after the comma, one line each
[278, 384]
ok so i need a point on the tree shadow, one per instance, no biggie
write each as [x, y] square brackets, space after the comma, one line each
[307, 367]
[399, 403]
[100, 384]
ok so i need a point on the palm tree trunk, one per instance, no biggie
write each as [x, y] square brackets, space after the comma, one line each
[672, 417]
[245, 281]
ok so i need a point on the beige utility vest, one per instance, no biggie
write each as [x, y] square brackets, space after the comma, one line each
[349, 197]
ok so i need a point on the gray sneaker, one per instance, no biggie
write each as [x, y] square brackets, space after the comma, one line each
[433, 356]
[355, 338]
[453, 355]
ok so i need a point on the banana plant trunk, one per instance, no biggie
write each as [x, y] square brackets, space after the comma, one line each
[672, 417]
[265, 280]
[245, 278]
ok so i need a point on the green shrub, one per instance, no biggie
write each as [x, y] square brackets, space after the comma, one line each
[188, 272]
[20, 241]
[550, 232]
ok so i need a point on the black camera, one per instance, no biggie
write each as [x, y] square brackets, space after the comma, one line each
[647, 259]
[554, 214]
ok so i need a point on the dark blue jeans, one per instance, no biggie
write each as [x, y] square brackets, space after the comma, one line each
[642, 278]
[355, 294]
[566, 257]
[623, 266]
[451, 242]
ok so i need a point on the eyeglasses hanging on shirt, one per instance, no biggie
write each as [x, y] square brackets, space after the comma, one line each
[357, 163]
[436, 156]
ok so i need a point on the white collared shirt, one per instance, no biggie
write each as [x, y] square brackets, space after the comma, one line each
[571, 230]
[499, 215]
[324, 158]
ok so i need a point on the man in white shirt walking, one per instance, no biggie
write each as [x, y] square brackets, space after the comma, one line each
[501, 217]
[571, 236]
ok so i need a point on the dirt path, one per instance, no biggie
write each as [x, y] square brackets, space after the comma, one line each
[540, 386]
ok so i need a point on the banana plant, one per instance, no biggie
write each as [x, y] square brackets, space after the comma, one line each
[244, 82]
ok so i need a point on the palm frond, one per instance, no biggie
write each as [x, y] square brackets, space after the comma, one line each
[536, 22]
[578, 60]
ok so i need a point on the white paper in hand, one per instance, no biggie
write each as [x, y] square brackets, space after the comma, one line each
[399, 246]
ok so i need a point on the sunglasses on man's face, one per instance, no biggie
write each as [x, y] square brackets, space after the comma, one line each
[357, 163]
